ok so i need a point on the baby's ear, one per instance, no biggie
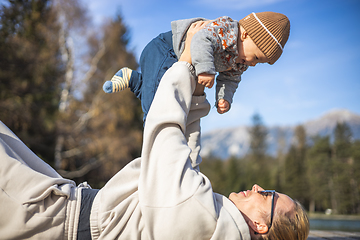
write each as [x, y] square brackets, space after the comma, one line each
[244, 35]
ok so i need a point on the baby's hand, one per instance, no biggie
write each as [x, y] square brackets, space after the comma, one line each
[223, 106]
[206, 79]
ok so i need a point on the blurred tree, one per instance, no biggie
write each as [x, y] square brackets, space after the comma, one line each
[103, 132]
[214, 169]
[342, 202]
[342, 141]
[296, 184]
[312, 174]
[72, 18]
[355, 177]
[30, 72]
[318, 164]
[51, 87]
[234, 181]
[257, 162]
[258, 133]
[279, 175]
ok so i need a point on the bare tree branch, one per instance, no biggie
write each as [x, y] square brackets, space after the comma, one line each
[94, 62]
[83, 119]
[67, 52]
[87, 167]
[66, 47]
[71, 153]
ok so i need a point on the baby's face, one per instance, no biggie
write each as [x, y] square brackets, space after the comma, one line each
[249, 53]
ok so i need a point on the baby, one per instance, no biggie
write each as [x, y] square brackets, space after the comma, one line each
[223, 46]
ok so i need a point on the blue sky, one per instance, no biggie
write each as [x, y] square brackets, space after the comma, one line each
[318, 71]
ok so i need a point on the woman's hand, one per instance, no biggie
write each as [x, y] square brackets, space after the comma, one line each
[194, 28]
[186, 55]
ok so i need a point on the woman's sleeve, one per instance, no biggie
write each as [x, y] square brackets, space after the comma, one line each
[174, 198]
[200, 107]
[167, 176]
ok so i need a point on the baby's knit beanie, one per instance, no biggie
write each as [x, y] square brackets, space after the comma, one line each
[269, 31]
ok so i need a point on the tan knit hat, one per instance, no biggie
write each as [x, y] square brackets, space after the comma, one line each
[269, 31]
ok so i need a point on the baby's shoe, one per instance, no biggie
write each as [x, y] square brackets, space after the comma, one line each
[119, 81]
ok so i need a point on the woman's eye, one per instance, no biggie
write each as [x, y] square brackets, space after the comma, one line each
[264, 194]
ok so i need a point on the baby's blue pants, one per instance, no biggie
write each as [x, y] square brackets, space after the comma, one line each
[157, 57]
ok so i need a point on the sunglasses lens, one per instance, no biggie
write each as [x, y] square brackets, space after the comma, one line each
[265, 193]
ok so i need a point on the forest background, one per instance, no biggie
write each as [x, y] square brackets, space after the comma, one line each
[52, 99]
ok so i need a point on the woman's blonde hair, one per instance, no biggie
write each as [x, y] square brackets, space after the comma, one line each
[293, 225]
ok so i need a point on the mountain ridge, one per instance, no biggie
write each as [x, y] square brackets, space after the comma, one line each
[235, 141]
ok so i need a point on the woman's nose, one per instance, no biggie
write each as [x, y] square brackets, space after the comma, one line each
[257, 188]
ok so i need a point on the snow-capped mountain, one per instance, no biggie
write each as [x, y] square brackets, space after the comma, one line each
[224, 143]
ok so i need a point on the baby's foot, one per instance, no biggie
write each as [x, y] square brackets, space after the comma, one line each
[119, 81]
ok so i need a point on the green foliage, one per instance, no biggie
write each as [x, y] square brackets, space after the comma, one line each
[343, 171]
[256, 161]
[214, 169]
[295, 168]
[321, 175]
[232, 181]
[258, 134]
[225, 176]
[342, 143]
[355, 176]
[318, 164]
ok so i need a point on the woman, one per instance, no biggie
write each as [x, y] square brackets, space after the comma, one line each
[161, 195]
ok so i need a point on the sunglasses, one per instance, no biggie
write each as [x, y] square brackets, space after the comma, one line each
[267, 193]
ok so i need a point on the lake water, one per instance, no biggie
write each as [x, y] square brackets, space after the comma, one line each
[335, 225]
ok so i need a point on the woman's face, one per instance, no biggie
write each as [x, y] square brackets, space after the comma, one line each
[254, 206]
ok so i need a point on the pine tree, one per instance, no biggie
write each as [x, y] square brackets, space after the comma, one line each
[234, 180]
[341, 169]
[30, 72]
[103, 131]
[54, 106]
[214, 169]
[295, 173]
[355, 177]
[258, 133]
[280, 160]
[318, 162]
[257, 163]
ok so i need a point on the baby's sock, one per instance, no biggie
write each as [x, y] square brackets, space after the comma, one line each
[119, 81]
